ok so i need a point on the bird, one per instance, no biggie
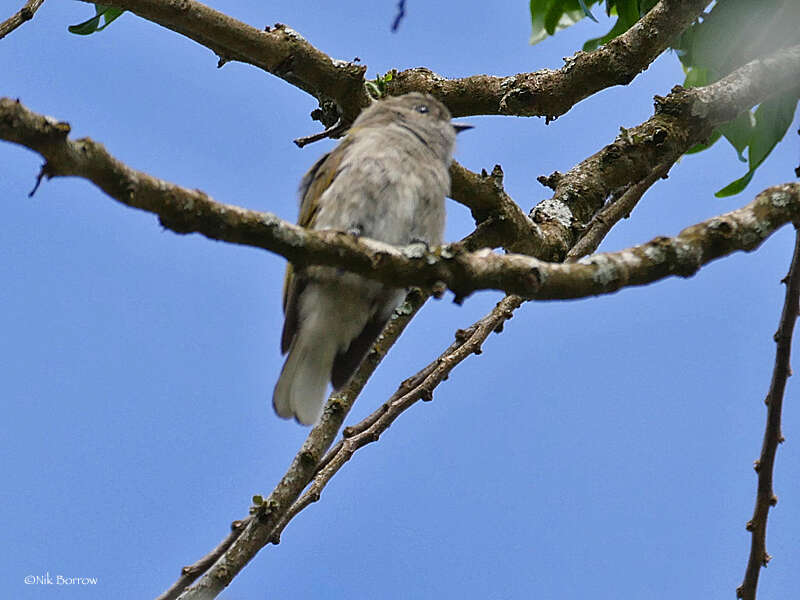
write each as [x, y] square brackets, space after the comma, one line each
[386, 180]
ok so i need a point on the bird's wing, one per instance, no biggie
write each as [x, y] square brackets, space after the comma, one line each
[312, 186]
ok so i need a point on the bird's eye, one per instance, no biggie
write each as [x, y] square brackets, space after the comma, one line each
[421, 108]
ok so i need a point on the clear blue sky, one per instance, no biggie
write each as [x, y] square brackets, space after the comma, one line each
[599, 448]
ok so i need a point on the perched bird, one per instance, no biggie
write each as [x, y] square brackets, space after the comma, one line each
[386, 180]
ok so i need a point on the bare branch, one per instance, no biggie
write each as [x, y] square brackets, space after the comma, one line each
[682, 119]
[334, 131]
[621, 208]
[550, 93]
[259, 530]
[192, 572]
[501, 222]
[418, 387]
[49, 137]
[24, 14]
[463, 272]
[693, 245]
[765, 498]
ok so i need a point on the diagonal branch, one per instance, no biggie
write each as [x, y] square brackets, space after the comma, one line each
[551, 93]
[418, 387]
[21, 16]
[685, 115]
[611, 214]
[245, 542]
[765, 498]
[682, 119]
[191, 572]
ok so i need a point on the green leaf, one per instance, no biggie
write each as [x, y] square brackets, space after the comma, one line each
[695, 77]
[715, 135]
[377, 87]
[86, 27]
[735, 187]
[734, 32]
[771, 121]
[731, 34]
[627, 12]
[645, 6]
[106, 13]
[551, 16]
[739, 132]
[586, 11]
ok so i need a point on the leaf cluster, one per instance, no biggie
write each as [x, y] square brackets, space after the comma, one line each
[729, 35]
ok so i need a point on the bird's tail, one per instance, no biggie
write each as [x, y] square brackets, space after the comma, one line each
[300, 391]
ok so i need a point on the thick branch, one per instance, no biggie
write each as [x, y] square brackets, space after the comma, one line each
[682, 119]
[24, 14]
[49, 135]
[765, 498]
[551, 93]
[463, 272]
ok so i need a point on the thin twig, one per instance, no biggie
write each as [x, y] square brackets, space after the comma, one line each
[401, 12]
[334, 131]
[621, 208]
[21, 16]
[765, 497]
[193, 571]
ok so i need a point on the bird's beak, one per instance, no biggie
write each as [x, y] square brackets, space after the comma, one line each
[459, 127]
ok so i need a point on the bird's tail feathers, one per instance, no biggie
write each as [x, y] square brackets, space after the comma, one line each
[301, 387]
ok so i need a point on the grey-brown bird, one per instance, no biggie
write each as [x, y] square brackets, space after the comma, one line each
[386, 180]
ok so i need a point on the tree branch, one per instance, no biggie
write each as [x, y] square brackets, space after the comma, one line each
[611, 214]
[681, 120]
[259, 527]
[193, 571]
[415, 388]
[21, 16]
[50, 136]
[463, 272]
[500, 220]
[765, 498]
[550, 93]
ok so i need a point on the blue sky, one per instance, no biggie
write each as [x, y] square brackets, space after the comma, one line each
[598, 448]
